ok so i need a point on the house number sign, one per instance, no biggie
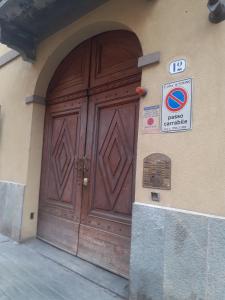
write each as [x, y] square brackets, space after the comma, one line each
[157, 172]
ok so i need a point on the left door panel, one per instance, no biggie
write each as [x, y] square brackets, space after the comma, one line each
[61, 184]
[63, 150]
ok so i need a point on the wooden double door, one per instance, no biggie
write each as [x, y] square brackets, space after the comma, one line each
[88, 166]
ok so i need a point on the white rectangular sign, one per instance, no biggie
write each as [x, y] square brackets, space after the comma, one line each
[177, 66]
[177, 106]
[151, 119]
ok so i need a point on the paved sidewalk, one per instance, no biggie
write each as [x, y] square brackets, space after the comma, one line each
[37, 271]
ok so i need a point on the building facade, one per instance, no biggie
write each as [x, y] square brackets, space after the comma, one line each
[77, 143]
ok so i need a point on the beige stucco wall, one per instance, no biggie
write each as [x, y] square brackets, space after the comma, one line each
[15, 119]
[176, 28]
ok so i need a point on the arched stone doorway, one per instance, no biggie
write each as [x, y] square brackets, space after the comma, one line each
[89, 153]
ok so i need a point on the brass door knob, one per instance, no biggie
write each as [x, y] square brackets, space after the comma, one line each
[85, 181]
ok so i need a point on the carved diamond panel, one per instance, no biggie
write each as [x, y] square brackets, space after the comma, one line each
[62, 158]
[115, 158]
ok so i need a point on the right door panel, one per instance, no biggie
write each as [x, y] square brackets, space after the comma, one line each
[107, 201]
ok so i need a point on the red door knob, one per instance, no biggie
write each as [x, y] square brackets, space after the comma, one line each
[141, 91]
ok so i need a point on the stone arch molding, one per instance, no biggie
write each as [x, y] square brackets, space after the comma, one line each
[50, 62]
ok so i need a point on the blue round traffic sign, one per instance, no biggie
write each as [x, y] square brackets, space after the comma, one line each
[176, 99]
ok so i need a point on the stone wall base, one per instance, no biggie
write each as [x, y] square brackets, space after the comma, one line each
[11, 209]
[176, 255]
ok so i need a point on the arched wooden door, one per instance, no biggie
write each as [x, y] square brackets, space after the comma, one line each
[88, 167]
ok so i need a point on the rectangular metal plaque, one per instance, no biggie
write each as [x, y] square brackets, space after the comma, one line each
[157, 172]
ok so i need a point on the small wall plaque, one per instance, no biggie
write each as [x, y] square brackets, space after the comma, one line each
[157, 172]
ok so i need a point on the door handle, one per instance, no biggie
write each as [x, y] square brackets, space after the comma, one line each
[79, 165]
[86, 171]
[85, 181]
[82, 166]
[85, 165]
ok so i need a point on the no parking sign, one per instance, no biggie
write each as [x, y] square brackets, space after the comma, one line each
[176, 106]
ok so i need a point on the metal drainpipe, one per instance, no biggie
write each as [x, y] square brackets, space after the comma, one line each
[217, 10]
